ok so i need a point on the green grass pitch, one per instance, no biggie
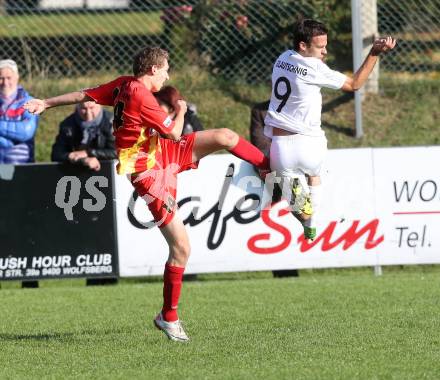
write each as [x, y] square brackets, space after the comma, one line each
[337, 325]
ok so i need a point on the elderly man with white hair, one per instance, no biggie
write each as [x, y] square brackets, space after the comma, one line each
[17, 126]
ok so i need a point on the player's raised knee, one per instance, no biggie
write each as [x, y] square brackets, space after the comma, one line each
[226, 138]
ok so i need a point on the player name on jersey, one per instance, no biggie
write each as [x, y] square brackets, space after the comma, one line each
[291, 68]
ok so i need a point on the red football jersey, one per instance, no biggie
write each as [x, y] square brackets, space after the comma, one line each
[138, 121]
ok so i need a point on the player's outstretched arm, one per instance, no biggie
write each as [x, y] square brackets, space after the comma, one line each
[37, 106]
[380, 46]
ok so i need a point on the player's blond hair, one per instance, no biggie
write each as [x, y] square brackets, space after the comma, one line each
[148, 57]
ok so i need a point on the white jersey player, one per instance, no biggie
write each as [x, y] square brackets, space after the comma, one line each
[293, 120]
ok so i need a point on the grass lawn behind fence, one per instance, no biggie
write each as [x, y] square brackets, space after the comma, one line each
[78, 24]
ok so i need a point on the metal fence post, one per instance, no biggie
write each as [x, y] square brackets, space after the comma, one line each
[369, 33]
[369, 29]
[378, 270]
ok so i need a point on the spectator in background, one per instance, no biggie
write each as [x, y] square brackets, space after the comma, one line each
[256, 131]
[258, 113]
[17, 126]
[168, 96]
[85, 137]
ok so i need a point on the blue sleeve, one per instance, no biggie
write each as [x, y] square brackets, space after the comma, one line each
[19, 130]
[5, 143]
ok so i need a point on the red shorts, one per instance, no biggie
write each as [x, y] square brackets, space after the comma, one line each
[158, 186]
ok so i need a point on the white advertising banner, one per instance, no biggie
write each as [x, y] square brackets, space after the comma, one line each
[407, 196]
[380, 206]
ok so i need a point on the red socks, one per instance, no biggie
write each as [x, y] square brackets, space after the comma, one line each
[250, 153]
[172, 284]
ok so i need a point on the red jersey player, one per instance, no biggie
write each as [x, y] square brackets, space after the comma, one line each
[151, 150]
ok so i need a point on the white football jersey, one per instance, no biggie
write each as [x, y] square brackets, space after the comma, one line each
[296, 100]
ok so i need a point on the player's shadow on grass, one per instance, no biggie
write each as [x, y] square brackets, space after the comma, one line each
[344, 98]
[37, 337]
[58, 337]
[337, 128]
[332, 104]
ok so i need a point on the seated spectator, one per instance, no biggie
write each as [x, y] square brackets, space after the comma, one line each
[85, 137]
[258, 113]
[262, 142]
[17, 126]
[167, 97]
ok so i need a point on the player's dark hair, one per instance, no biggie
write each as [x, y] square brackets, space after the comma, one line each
[305, 30]
[168, 95]
[148, 57]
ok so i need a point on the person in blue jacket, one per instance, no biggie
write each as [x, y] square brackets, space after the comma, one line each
[17, 126]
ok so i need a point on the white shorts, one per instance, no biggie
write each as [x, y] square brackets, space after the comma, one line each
[296, 155]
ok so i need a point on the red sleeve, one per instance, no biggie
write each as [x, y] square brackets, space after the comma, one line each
[154, 116]
[103, 94]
